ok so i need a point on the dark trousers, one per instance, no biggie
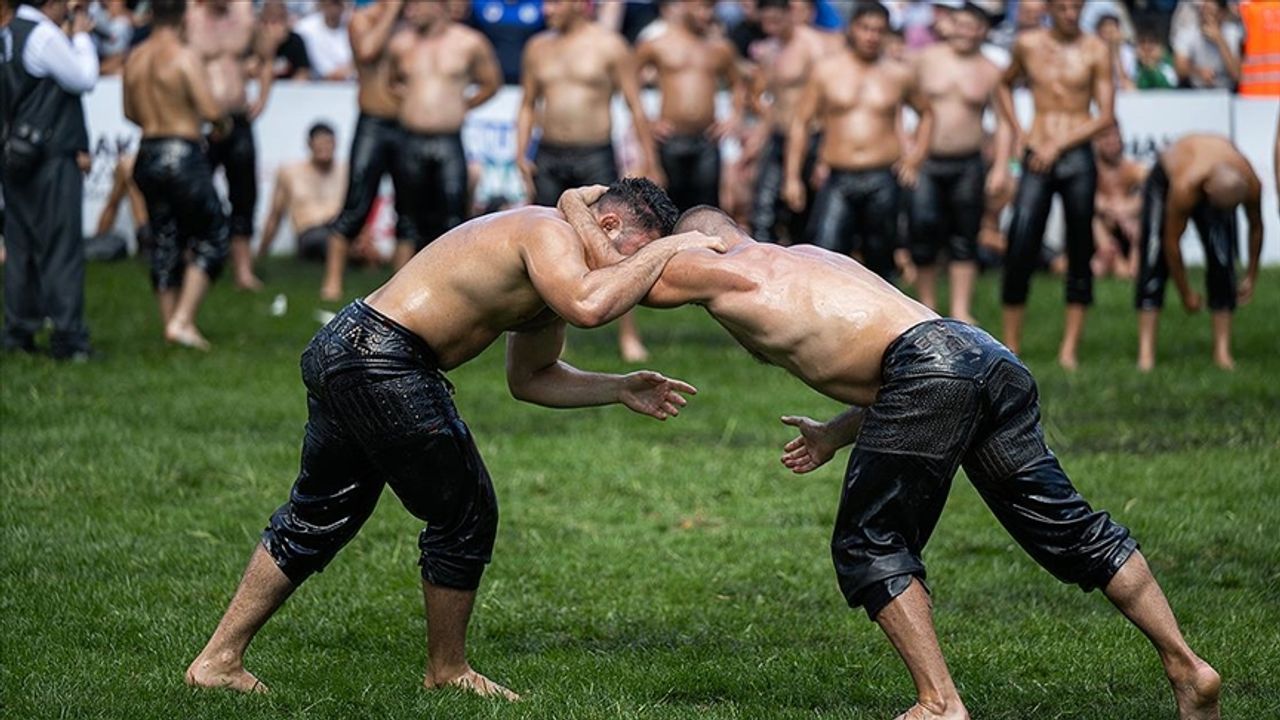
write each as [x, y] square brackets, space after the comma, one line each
[952, 395]
[857, 211]
[1075, 178]
[433, 171]
[374, 148]
[769, 210]
[185, 213]
[44, 272]
[692, 166]
[561, 167]
[1217, 230]
[946, 208]
[380, 413]
[237, 155]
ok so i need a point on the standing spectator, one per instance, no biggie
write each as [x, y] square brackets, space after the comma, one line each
[113, 29]
[1260, 73]
[44, 74]
[291, 62]
[325, 34]
[1123, 56]
[508, 24]
[1154, 67]
[1207, 55]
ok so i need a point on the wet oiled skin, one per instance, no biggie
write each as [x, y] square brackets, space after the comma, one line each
[222, 41]
[1061, 76]
[1189, 161]
[859, 106]
[437, 68]
[471, 284]
[689, 70]
[159, 92]
[818, 314]
[375, 96]
[959, 88]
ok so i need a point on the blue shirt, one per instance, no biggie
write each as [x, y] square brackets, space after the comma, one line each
[508, 24]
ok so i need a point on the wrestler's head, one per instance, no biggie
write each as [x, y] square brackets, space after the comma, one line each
[1226, 187]
[776, 18]
[699, 15]
[321, 141]
[710, 220]
[422, 15]
[633, 213]
[561, 14]
[967, 29]
[1065, 15]
[867, 29]
[168, 13]
[1109, 145]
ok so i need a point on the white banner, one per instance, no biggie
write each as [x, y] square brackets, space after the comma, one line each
[1149, 121]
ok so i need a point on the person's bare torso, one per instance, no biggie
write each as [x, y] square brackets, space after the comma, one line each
[315, 196]
[222, 41]
[859, 107]
[575, 74]
[1060, 75]
[786, 72]
[157, 87]
[436, 68]
[689, 70]
[470, 285]
[819, 315]
[374, 78]
[958, 87]
[1190, 160]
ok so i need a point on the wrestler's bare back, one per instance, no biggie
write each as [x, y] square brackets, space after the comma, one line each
[820, 315]
[471, 285]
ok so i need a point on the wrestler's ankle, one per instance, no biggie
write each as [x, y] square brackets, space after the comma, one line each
[443, 673]
[943, 704]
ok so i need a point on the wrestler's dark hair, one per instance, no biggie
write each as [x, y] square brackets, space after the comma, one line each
[708, 220]
[168, 12]
[775, 4]
[869, 7]
[320, 128]
[647, 204]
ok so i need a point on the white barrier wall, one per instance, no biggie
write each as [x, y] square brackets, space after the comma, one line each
[1149, 121]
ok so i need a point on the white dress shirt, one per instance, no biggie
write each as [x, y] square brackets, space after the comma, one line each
[72, 63]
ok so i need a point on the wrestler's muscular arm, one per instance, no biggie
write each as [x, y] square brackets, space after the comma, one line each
[530, 91]
[909, 167]
[589, 298]
[624, 76]
[485, 72]
[535, 374]
[265, 48]
[806, 108]
[369, 37]
[1252, 214]
[1008, 130]
[1178, 205]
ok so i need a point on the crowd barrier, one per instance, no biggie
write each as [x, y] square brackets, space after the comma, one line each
[1149, 122]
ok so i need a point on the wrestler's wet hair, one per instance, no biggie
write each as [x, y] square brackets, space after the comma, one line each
[168, 12]
[869, 7]
[708, 220]
[645, 204]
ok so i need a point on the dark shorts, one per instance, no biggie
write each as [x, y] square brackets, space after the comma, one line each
[375, 146]
[237, 155]
[1074, 177]
[183, 209]
[1218, 235]
[946, 208]
[313, 243]
[692, 166]
[433, 173]
[769, 211]
[953, 396]
[561, 167]
[379, 412]
[857, 211]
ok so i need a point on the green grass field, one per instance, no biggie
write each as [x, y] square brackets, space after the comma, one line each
[643, 570]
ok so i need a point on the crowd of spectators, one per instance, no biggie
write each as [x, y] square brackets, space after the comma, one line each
[1156, 44]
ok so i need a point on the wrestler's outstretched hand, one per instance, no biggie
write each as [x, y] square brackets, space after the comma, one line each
[653, 394]
[812, 449]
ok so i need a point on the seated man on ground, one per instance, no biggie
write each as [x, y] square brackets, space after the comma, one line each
[380, 410]
[926, 396]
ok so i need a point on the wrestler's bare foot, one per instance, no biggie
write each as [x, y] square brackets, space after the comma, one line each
[329, 293]
[248, 281]
[225, 673]
[1067, 359]
[1146, 363]
[952, 711]
[470, 681]
[1224, 361]
[1197, 692]
[633, 351]
[186, 336]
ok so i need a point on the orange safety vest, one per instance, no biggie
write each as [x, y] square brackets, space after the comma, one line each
[1260, 65]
